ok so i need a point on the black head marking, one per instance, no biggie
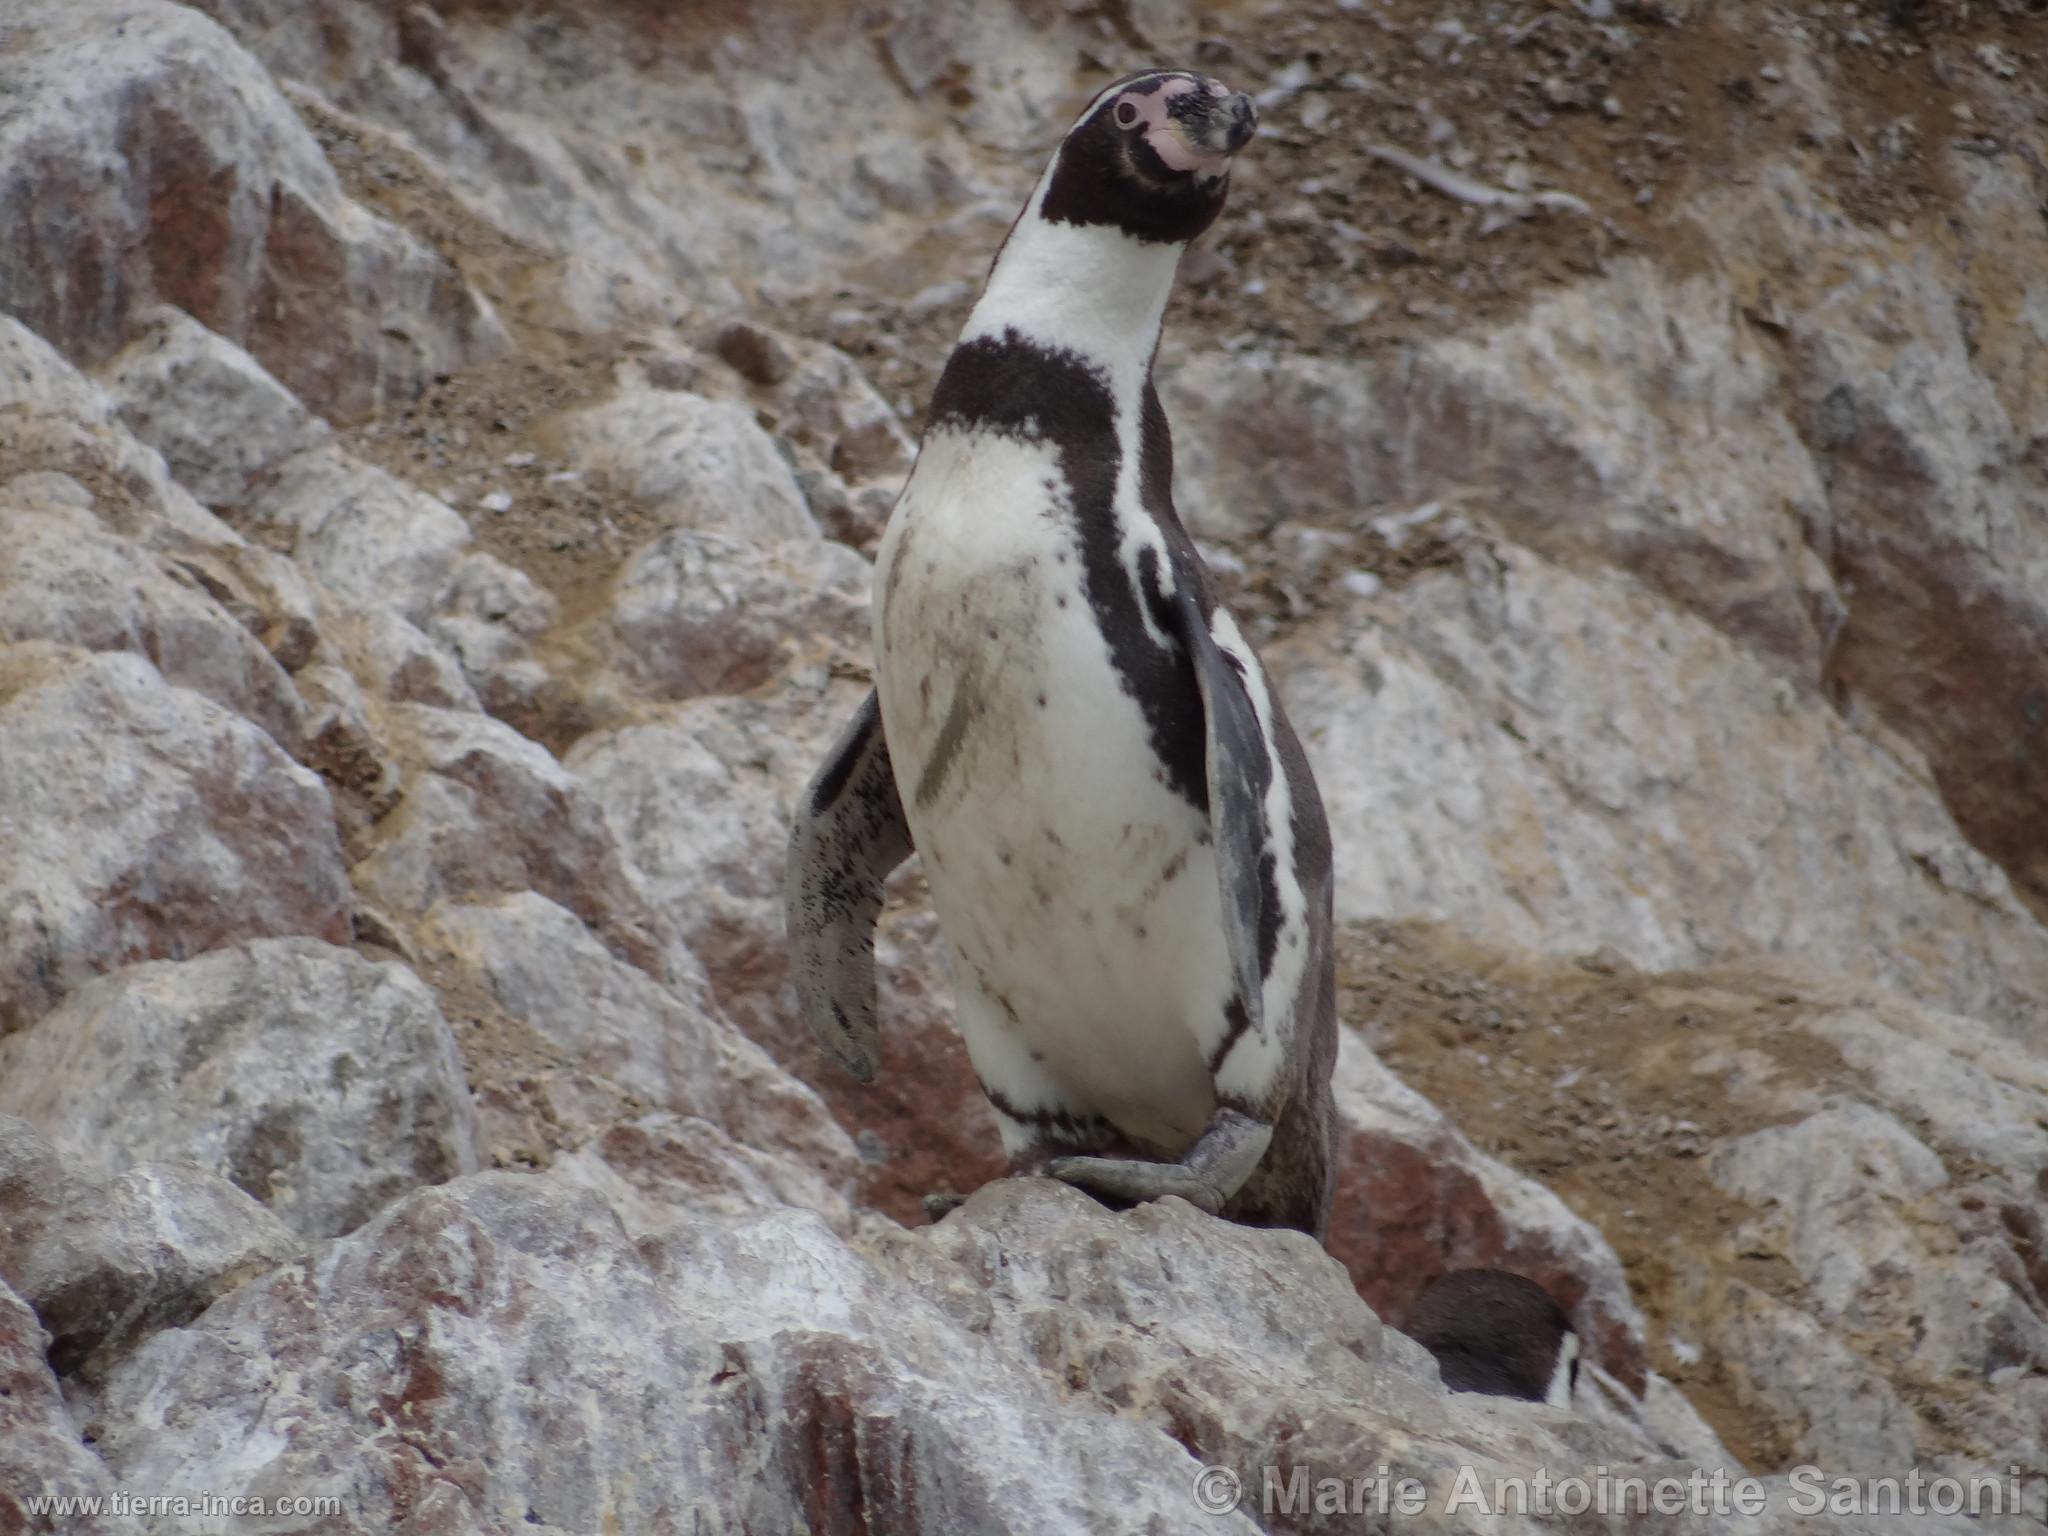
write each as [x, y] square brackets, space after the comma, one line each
[1151, 157]
[1491, 1331]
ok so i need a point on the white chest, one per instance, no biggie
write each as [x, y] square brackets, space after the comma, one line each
[996, 679]
[1073, 883]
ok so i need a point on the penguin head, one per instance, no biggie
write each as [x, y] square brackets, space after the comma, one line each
[1151, 156]
[1498, 1333]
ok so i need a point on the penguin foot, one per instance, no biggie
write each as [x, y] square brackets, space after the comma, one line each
[940, 1204]
[1121, 1181]
[1221, 1159]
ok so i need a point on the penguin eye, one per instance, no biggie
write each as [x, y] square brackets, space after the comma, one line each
[1126, 113]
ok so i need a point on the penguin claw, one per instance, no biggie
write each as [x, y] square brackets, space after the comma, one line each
[1131, 1182]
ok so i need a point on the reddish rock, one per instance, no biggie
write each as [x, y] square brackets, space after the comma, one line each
[1945, 646]
[696, 613]
[1408, 1214]
[681, 1162]
[493, 814]
[1416, 1200]
[140, 821]
[699, 803]
[923, 1126]
[173, 170]
[64, 579]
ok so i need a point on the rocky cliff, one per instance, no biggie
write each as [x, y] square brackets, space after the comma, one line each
[440, 450]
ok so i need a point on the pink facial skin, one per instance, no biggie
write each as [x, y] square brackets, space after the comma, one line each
[1164, 134]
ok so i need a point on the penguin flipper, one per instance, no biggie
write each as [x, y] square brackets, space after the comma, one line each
[849, 833]
[1240, 771]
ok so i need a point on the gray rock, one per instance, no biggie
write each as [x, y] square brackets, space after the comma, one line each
[1635, 475]
[490, 813]
[489, 619]
[765, 1373]
[1889, 1257]
[60, 423]
[694, 462]
[700, 803]
[696, 613]
[856, 518]
[1980, 1094]
[61, 420]
[700, 798]
[794, 157]
[66, 580]
[396, 660]
[660, 1168]
[1561, 761]
[320, 1082]
[216, 415]
[1832, 1174]
[1871, 527]
[488, 591]
[1926, 422]
[834, 419]
[371, 539]
[1848, 1416]
[849, 448]
[1690, 614]
[35, 377]
[106, 1262]
[139, 820]
[1872, 1297]
[40, 1453]
[622, 1037]
[237, 219]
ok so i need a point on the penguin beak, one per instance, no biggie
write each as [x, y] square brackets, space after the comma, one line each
[1203, 128]
[1216, 123]
[1232, 124]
